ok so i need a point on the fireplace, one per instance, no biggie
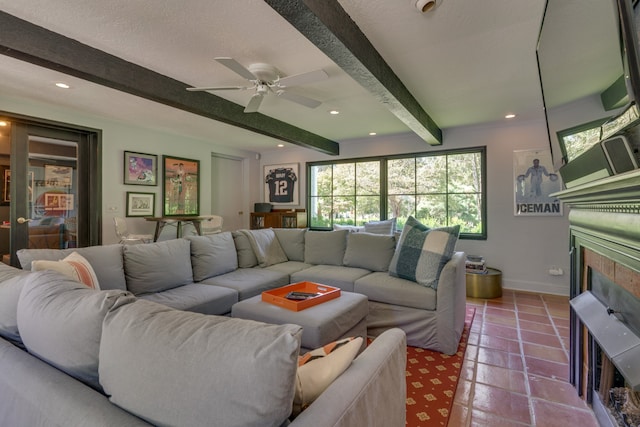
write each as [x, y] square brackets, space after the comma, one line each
[605, 296]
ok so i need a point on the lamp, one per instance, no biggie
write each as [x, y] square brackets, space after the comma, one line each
[426, 5]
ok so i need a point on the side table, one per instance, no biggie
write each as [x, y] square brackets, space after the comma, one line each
[487, 285]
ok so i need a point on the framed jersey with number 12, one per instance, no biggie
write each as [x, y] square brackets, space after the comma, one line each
[281, 184]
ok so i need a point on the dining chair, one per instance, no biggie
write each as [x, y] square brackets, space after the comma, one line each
[211, 224]
[125, 236]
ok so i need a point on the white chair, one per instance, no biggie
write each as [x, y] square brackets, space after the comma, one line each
[211, 224]
[125, 237]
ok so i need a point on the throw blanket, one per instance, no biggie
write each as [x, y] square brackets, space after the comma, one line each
[266, 246]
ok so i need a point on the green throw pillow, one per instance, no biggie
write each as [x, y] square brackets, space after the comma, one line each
[423, 252]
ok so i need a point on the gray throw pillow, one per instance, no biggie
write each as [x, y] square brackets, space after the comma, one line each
[60, 322]
[212, 255]
[325, 247]
[156, 267]
[370, 251]
[172, 367]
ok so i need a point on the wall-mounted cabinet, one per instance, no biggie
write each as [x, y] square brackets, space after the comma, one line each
[279, 218]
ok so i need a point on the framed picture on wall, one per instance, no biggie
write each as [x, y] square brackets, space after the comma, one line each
[5, 197]
[535, 181]
[281, 184]
[58, 202]
[141, 204]
[181, 186]
[58, 176]
[140, 168]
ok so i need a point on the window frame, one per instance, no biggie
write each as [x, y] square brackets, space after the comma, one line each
[482, 235]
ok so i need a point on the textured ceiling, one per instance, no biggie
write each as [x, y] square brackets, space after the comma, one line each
[466, 62]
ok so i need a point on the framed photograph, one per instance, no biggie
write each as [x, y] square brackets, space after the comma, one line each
[58, 202]
[280, 184]
[141, 204]
[534, 181]
[181, 186]
[58, 176]
[140, 168]
[5, 198]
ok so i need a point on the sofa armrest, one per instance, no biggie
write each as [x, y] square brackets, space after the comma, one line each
[451, 300]
[371, 393]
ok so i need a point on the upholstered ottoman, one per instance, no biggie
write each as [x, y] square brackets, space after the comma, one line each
[326, 322]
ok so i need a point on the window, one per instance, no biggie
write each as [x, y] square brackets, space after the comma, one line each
[439, 189]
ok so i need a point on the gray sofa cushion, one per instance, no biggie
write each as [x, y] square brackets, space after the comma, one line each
[212, 255]
[9, 294]
[60, 321]
[106, 262]
[381, 287]
[332, 275]
[155, 267]
[250, 281]
[266, 246]
[387, 226]
[246, 257]
[205, 299]
[370, 251]
[325, 247]
[292, 242]
[212, 369]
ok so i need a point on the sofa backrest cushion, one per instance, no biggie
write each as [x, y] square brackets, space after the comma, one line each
[325, 247]
[60, 322]
[246, 257]
[212, 255]
[369, 251]
[106, 262]
[156, 267]
[172, 367]
[292, 242]
[11, 283]
[423, 252]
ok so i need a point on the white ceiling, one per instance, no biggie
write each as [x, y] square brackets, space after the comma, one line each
[466, 62]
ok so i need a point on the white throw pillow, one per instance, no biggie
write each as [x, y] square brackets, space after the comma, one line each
[74, 266]
[318, 368]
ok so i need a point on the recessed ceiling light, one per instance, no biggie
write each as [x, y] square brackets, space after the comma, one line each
[63, 85]
[372, 133]
[509, 116]
[280, 145]
[334, 112]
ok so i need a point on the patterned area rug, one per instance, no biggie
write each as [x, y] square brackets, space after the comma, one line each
[432, 379]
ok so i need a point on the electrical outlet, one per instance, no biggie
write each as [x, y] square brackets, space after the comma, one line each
[556, 271]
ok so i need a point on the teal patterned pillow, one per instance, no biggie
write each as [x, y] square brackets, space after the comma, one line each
[422, 252]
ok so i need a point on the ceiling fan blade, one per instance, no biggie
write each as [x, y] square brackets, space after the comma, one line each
[254, 103]
[198, 89]
[304, 78]
[299, 99]
[236, 67]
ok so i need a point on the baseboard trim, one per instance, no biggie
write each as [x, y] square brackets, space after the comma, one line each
[538, 287]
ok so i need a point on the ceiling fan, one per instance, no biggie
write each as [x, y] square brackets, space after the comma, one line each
[267, 79]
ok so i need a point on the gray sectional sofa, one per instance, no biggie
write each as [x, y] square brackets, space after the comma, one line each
[165, 346]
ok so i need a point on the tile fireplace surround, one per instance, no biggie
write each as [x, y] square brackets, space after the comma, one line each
[605, 291]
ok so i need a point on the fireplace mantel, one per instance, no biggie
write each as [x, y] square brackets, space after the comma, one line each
[620, 189]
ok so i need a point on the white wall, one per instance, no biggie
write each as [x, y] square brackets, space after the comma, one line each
[118, 137]
[524, 248]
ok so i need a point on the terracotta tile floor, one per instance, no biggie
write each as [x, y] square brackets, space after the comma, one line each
[515, 371]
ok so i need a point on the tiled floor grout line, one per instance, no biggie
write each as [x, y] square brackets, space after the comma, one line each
[527, 386]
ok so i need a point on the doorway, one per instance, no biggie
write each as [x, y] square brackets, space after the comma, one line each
[51, 195]
[227, 188]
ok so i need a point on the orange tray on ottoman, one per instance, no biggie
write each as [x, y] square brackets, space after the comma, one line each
[278, 296]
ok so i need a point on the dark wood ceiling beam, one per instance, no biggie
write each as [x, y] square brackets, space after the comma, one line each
[331, 29]
[28, 42]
